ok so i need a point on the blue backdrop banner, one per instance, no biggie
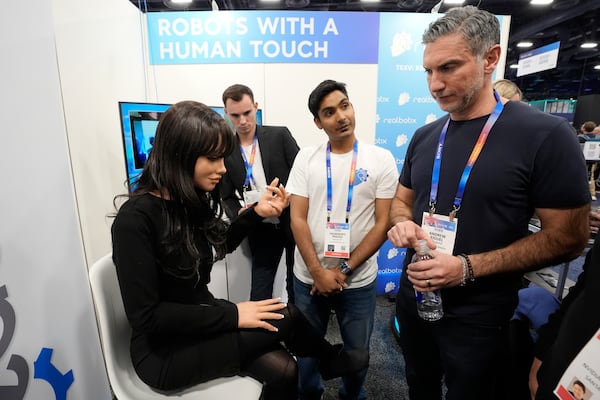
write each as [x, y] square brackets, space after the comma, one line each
[403, 105]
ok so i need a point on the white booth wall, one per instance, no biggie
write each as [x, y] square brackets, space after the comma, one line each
[48, 333]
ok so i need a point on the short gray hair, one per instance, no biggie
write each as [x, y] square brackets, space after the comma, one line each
[480, 28]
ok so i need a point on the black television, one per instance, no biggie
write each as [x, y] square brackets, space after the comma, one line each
[138, 127]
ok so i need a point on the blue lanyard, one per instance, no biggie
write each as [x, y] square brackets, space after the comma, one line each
[249, 164]
[435, 175]
[350, 180]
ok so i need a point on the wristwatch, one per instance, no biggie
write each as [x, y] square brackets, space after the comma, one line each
[345, 268]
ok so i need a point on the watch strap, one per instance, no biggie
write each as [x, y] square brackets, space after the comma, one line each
[345, 268]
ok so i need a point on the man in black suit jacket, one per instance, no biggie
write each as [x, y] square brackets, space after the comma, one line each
[264, 153]
[570, 328]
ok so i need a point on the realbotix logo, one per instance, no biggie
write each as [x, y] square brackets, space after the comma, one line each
[43, 367]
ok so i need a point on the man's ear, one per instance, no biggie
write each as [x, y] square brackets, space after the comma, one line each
[318, 123]
[491, 59]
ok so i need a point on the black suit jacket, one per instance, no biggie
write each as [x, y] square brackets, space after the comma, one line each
[278, 150]
[570, 328]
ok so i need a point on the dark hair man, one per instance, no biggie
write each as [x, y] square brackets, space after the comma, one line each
[341, 194]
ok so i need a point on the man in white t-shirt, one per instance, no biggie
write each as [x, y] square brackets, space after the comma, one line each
[341, 195]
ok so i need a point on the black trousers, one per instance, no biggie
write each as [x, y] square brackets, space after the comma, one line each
[267, 243]
[471, 359]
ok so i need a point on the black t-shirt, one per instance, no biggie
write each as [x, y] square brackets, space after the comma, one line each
[530, 160]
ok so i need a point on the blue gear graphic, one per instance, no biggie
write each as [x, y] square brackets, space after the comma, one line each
[45, 370]
[360, 176]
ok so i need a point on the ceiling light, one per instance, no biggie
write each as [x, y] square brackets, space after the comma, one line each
[524, 44]
[177, 4]
[297, 3]
[540, 2]
[454, 1]
[588, 45]
[597, 66]
[514, 66]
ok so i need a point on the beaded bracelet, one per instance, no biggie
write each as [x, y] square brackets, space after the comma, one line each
[469, 267]
[463, 262]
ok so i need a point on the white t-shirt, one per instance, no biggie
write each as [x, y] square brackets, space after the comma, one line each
[376, 178]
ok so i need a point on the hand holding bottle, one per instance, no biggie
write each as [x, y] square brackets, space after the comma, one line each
[429, 303]
[442, 271]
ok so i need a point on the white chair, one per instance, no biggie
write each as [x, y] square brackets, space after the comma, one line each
[115, 335]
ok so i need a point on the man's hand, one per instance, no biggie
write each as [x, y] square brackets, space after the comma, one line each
[328, 282]
[533, 382]
[594, 221]
[441, 271]
[407, 234]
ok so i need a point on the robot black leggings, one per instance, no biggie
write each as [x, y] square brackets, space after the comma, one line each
[265, 358]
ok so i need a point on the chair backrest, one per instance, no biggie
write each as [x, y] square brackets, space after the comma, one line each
[115, 337]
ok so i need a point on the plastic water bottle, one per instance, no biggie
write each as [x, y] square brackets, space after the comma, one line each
[429, 304]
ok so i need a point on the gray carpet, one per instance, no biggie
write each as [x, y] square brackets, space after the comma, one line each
[385, 379]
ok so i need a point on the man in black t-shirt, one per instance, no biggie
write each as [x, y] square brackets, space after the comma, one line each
[491, 165]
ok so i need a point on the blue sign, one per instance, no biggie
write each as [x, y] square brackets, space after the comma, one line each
[403, 105]
[389, 264]
[540, 59]
[403, 99]
[233, 37]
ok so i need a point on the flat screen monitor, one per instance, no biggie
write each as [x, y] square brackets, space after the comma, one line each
[138, 127]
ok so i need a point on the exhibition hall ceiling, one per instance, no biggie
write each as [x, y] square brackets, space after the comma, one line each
[569, 21]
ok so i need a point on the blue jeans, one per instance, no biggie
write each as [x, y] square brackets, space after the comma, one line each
[355, 312]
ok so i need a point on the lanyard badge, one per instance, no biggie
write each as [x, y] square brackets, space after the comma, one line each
[337, 234]
[442, 229]
[250, 196]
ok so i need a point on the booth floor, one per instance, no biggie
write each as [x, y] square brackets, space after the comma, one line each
[385, 379]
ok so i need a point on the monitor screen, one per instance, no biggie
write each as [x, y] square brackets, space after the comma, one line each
[138, 127]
